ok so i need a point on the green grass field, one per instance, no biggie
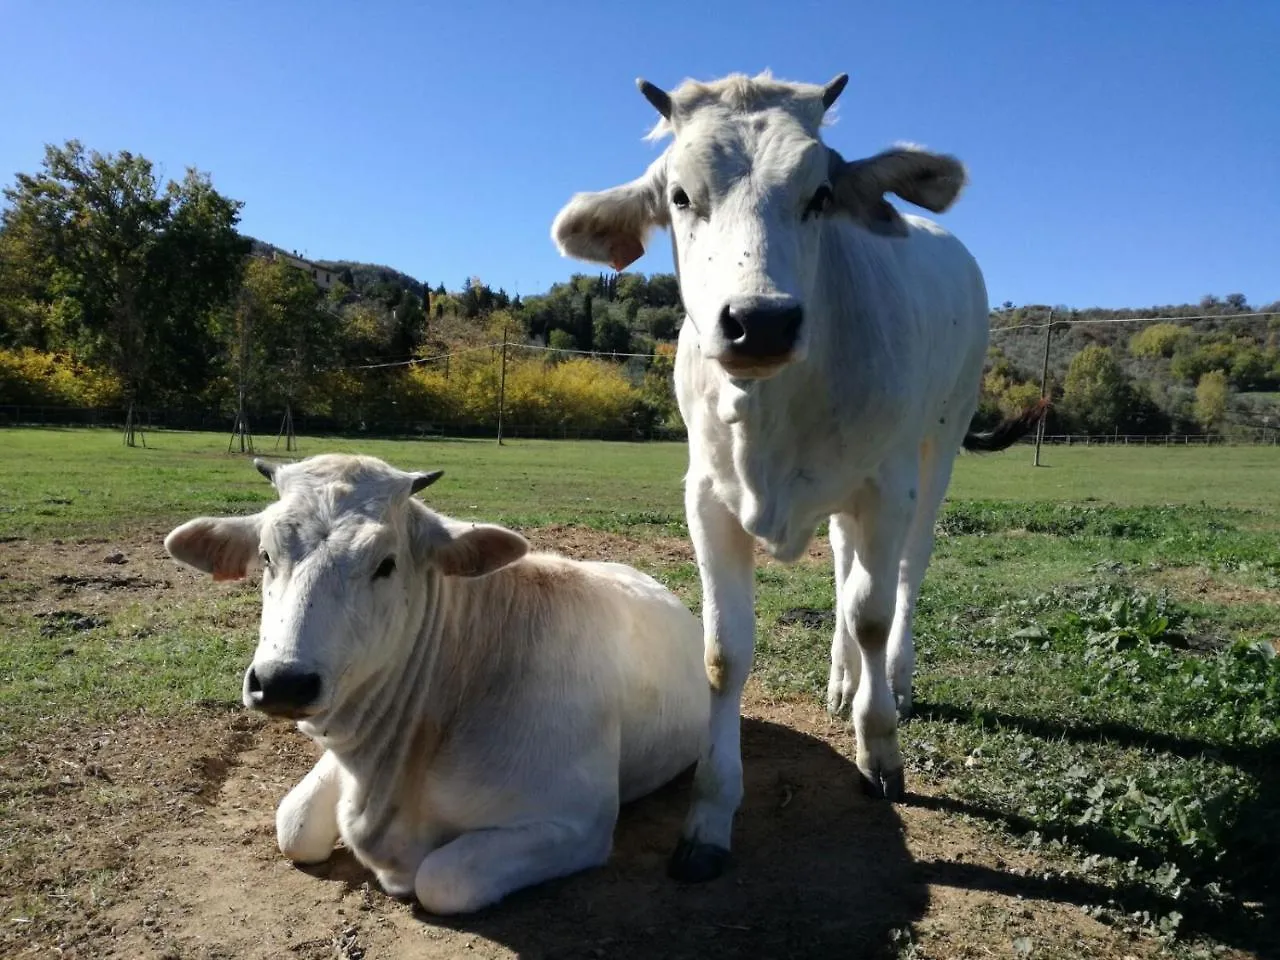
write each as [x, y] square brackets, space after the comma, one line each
[1096, 638]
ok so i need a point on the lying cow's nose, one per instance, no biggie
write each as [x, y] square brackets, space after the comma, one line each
[281, 688]
[761, 330]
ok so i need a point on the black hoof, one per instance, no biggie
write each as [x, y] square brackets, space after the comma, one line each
[696, 862]
[895, 785]
[891, 786]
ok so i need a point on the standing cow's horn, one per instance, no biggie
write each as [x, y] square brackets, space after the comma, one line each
[424, 480]
[656, 96]
[833, 90]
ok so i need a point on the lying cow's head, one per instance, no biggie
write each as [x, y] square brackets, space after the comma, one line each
[347, 553]
[747, 188]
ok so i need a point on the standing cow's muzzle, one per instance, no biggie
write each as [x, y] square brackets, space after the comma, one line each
[282, 689]
[760, 334]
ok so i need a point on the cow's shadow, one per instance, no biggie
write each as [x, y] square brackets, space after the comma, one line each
[818, 870]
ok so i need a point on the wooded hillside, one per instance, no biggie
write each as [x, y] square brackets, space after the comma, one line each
[117, 288]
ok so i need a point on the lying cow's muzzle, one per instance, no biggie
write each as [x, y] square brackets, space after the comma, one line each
[281, 689]
[760, 334]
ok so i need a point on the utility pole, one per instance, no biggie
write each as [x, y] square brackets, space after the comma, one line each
[1044, 385]
[502, 384]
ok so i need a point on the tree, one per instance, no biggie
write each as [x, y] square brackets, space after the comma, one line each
[561, 340]
[121, 271]
[284, 329]
[586, 327]
[1096, 391]
[612, 334]
[1237, 302]
[1211, 399]
[661, 322]
[1157, 340]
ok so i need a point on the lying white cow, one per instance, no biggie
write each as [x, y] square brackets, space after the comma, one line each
[483, 710]
[828, 367]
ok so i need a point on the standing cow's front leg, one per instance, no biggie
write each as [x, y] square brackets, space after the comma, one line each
[724, 552]
[307, 818]
[877, 527]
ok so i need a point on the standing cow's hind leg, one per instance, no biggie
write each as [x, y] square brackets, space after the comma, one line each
[877, 527]
[935, 473]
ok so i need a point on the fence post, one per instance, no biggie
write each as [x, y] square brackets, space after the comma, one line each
[1044, 386]
[502, 385]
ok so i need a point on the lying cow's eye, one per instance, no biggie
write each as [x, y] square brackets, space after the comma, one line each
[821, 200]
[265, 558]
[680, 199]
[385, 568]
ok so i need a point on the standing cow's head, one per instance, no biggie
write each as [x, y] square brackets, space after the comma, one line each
[350, 560]
[747, 188]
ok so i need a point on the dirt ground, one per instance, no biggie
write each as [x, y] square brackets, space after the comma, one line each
[152, 838]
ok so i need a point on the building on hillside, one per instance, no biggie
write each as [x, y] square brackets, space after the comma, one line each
[324, 277]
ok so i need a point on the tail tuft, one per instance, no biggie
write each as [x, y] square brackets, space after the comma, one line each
[1008, 432]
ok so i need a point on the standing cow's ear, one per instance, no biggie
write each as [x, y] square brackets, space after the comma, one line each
[929, 180]
[222, 546]
[611, 226]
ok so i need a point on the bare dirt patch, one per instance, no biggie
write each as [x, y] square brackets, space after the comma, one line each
[98, 575]
[582, 543]
[182, 863]
[1211, 586]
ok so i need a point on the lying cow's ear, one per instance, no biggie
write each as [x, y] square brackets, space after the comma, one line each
[929, 180]
[611, 226]
[224, 546]
[474, 550]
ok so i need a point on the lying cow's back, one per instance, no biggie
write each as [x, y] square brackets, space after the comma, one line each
[619, 639]
[660, 656]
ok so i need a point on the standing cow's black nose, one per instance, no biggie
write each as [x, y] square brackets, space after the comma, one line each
[281, 688]
[761, 330]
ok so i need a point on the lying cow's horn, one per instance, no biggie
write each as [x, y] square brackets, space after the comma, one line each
[268, 470]
[833, 90]
[656, 96]
[424, 480]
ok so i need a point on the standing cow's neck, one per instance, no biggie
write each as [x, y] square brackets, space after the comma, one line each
[771, 428]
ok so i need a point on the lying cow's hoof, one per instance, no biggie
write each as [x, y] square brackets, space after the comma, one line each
[697, 862]
[890, 785]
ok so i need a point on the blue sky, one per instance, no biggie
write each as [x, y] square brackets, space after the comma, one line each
[1121, 153]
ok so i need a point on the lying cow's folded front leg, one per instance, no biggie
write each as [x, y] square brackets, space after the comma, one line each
[481, 867]
[307, 818]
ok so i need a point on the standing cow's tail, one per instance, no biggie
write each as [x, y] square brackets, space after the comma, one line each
[1008, 432]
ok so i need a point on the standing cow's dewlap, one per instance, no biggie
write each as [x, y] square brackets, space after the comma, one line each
[483, 710]
[828, 367]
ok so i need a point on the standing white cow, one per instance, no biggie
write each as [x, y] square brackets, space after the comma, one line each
[483, 710]
[829, 366]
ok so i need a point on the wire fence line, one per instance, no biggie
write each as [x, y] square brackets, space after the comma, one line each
[1058, 324]
[1062, 324]
[1262, 432]
[30, 415]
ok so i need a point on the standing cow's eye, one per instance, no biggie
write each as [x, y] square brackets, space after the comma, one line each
[385, 568]
[265, 558]
[818, 205]
[680, 199]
